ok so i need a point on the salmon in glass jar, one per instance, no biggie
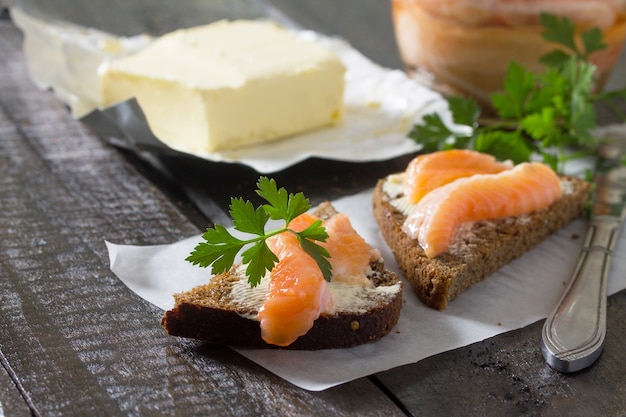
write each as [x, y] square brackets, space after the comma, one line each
[463, 47]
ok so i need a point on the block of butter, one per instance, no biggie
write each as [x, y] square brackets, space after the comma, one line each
[228, 84]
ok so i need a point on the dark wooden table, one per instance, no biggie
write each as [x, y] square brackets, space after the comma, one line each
[74, 341]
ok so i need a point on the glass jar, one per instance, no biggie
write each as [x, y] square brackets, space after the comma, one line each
[465, 46]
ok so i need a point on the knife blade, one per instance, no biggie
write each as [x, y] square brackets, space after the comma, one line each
[574, 332]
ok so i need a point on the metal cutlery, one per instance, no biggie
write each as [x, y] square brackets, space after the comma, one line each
[574, 332]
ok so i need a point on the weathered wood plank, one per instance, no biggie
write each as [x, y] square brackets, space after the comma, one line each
[78, 340]
[11, 401]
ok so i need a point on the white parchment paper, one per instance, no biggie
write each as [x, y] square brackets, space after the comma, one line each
[519, 294]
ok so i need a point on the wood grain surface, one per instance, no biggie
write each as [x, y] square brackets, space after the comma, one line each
[74, 341]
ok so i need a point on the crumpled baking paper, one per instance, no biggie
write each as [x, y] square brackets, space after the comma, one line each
[521, 293]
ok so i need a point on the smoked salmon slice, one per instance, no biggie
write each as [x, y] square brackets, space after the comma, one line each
[297, 291]
[433, 170]
[523, 189]
[350, 254]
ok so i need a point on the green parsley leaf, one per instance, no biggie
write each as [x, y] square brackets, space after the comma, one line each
[556, 58]
[220, 248]
[504, 145]
[541, 127]
[315, 231]
[549, 114]
[246, 218]
[319, 254]
[593, 41]
[465, 111]
[561, 31]
[432, 133]
[260, 259]
[519, 84]
[282, 206]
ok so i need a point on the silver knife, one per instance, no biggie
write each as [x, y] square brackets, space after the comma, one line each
[573, 334]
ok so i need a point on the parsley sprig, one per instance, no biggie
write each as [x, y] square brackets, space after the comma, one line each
[550, 114]
[220, 247]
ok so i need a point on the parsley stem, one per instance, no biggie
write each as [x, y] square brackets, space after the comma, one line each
[265, 236]
[268, 235]
[492, 124]
[576, 155]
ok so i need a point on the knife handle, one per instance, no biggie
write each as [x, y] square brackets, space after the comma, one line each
[573, 334]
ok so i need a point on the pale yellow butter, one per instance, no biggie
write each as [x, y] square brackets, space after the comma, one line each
[228, 85]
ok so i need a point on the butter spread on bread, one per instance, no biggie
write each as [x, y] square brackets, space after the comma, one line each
[228, 84]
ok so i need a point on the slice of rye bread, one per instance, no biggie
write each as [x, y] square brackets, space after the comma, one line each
[478, 249]
[224, 310]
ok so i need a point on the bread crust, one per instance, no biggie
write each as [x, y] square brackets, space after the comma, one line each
[209, 313]
[477, 251]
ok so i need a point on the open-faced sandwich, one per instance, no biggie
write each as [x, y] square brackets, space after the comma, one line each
[314, 284]
[455, 217]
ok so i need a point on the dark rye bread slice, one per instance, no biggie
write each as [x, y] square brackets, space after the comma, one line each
[224, 310]
[478, 249]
